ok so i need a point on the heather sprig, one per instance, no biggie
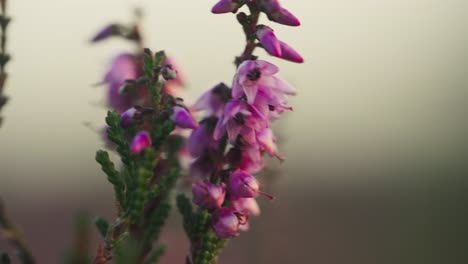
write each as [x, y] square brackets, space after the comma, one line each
[125, 80]
[4, 56]
[229, 144]
[148, 147]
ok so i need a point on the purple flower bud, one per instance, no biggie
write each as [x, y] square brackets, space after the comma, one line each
[183, 118]
[269, 41]
[226, 222]
[246, 206]
[168, 72]
[288, 53]
[225, 6]
[108, 31]
[278, 14]
[126, 118]
[141, 141]
[208, 195]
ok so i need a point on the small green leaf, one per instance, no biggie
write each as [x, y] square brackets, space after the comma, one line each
[102, 226]
[159, 58]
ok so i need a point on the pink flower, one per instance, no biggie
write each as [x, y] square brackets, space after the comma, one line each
[126, 118]
[290, 54]
[202, 167]
[251, 160]
[256, 77]
[201, 139]
[268, 40]
[246, 206]
[239, 118]
[226, 222]
[275, 47]
[183, 118]
[267, 142]
[123, 67]
[278, 14]
[174, 86]
[141, 141]
[243, 185]
[213, 100]
[225, 6]
[208, 195]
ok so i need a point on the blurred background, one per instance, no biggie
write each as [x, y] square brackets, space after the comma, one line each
[376, 148]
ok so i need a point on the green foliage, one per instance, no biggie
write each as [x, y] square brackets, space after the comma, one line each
[113, 176]
[209, 249]
[116, 134]
[4, 258]
[156, 255]
[185, 208]
[143, 204]
[126, 251]
[159, 57]
[155, 222]
[102, 225]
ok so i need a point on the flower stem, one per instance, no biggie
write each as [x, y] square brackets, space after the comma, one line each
[249, 24]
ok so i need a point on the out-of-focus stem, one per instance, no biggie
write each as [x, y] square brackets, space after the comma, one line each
[14, 236]
[250, 27]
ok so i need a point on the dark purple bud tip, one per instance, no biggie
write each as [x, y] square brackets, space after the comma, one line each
[108, 31]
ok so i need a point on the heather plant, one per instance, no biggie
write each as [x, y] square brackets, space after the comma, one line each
[145, 129]
[4, 56]
[229, 144]
[148, 148]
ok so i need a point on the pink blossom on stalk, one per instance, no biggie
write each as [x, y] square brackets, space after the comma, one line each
[226, 222]
[278, 14]
[172, 87]
[290, 54]
[213, 100]
[202, 167]
[123, 67]
[257, 77]
[251, 160]
[244, 185]
[201, 140]
[225, 6]
[183, 118]
[239, 117]
[247, 206]
[141, 141]
[126, 118]
[267, 142]
[241, 184]
[208, 195]
[268, 39]
[275, 47]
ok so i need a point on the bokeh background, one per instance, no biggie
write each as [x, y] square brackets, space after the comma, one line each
[376, 147]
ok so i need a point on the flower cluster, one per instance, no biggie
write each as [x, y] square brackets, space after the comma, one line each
[241, 116]
[124, 90]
